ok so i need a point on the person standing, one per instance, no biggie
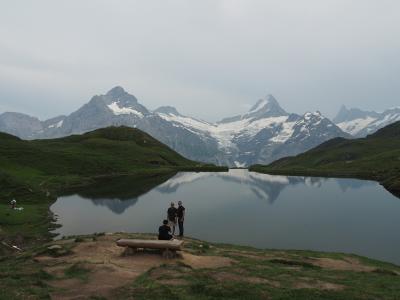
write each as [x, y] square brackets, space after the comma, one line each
[181, 217]
[171, 213]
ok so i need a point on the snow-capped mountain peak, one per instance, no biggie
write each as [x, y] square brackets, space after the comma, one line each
[266, 103]
[266, 107]
[360, 123]
[313, 116]
[119, 102]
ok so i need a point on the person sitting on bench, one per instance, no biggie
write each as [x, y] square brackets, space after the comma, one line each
[164, 231]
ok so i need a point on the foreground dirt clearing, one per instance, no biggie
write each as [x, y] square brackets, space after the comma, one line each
[94, 266]
[307, 283]
[225, 276]
[347, 264]
[108, 267]
[206, 262]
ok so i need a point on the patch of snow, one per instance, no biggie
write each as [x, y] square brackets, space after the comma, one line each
[57, 125]
[225, 133]
[307, 116]
[186, 121]
[117, 110]
[355, 126]
[285, 134]
[239, 164]
[237, 174]
[244, 128]
[312, 182]
[388, 119]
[269, 178]
[184, 178]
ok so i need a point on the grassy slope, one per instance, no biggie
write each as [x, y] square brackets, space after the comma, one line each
[375, 157]
[47, 165]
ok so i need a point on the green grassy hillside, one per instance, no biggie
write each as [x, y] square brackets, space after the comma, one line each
[375, 157]
[31, 167]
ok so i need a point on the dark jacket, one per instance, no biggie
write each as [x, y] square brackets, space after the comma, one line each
[164, 232]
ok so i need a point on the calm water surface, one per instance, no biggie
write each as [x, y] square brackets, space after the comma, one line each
[241, 207]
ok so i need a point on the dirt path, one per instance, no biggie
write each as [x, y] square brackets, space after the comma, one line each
[106, 267]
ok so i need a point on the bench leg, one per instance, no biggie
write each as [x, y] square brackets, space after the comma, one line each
[129, 251]
[168, 254]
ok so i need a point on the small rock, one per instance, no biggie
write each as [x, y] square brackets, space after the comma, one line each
[54, 247]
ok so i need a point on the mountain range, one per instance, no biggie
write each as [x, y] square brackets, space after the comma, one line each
[263, 134]
[360, 123]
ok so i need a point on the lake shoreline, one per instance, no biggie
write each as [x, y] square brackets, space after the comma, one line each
[389, 184]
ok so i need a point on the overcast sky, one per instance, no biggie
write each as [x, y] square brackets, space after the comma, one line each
[209, 59]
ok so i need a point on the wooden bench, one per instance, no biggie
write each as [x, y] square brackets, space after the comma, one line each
[169, 247]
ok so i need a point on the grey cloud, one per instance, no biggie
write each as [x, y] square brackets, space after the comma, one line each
[209, 58]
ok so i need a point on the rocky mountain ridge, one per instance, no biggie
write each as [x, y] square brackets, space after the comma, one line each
[265, 133]
[360, 123]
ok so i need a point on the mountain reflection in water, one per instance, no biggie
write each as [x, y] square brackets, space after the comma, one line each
[264, 186]
[120, 193]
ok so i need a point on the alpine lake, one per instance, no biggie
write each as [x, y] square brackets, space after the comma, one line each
[245, 208]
